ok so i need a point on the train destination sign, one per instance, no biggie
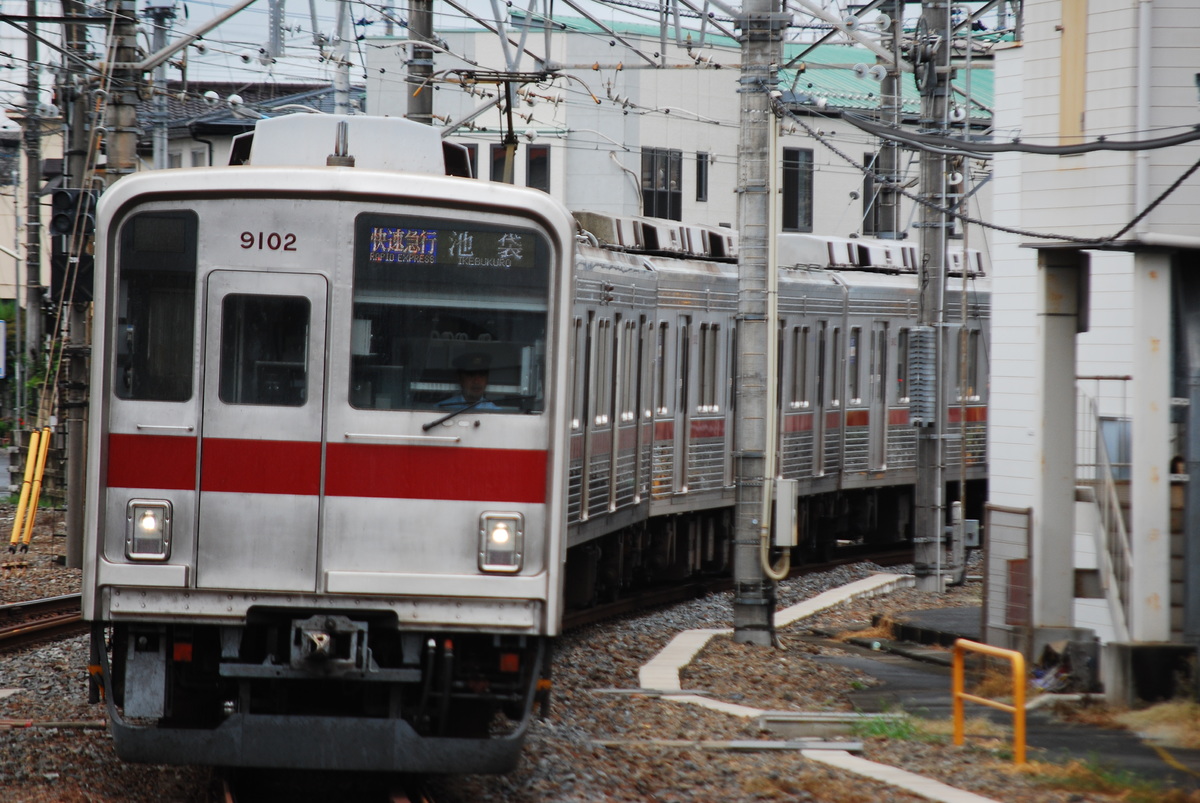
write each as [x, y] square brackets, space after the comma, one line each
[454, 247]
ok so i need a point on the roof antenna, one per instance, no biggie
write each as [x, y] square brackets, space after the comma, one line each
[341, 149]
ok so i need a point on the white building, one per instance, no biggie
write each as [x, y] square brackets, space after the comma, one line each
[647, 126]
[1089, 71]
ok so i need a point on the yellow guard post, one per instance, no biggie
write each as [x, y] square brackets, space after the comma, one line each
[1017, 709]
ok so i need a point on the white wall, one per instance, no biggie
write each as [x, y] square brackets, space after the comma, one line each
[687, 109]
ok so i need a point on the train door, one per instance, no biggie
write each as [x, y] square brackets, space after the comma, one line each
[683, 411]
[878, 391]
[264, 372]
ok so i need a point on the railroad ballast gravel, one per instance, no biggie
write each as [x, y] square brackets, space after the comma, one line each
[603, 741]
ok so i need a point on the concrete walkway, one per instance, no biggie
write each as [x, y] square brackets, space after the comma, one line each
[661, 675]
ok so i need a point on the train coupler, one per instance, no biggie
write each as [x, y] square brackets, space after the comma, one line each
[337, 642]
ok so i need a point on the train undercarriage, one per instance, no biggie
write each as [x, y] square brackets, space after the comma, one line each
[320, 689]
[696, 544]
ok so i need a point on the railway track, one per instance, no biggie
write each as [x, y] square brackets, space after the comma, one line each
[25, 623]
[671, 595]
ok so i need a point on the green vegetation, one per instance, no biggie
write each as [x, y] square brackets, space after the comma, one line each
[1083, 777]
[903, 728]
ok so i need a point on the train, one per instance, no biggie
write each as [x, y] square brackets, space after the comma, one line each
[362, 428]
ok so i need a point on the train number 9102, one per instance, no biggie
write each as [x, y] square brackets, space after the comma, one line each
[268, 240]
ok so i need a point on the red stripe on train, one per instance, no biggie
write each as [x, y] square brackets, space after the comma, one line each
[798, 422]
[232, 465]
[664, 430]
[858, 418]
[974, 414]
[357, 470]
[897, 418]
[436, 472]
[708, 428]
[152, 461]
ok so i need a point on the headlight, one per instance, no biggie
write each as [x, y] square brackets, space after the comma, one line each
[148, 530]
[501, 542]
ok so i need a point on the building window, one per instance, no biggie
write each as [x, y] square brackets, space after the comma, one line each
[701, 176]
[501, 170]
[797, 189]
[662, 195]
[537, 167]
[199, 158]
[174, 160]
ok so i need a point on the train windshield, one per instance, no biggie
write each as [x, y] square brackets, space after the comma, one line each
[448, 315]
[156, 307]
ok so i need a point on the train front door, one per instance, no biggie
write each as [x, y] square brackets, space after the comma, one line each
[264, 372]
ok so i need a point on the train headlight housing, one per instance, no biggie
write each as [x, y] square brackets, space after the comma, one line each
[148, 529]
[501, 542]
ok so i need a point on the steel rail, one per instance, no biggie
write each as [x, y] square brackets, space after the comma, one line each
[24, 623]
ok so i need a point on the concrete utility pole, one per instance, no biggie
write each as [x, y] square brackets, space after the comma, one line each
[341, 75]
[33, 207]
[420, 65]
[927, 392]
[78, 172]
[754, 594]
[121, 117]
[887, 164]
[161, 15]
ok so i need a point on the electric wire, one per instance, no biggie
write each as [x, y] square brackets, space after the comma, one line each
[987, 224]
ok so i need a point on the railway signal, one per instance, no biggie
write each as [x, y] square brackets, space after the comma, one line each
[73, 212]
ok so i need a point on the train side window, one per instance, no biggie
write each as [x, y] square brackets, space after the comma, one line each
[879, 364]
[264, 350]
[603, 345]
[780, 362]
[799, 393]
[662, 385]
[578, 375]
[821, 360]
[646, 369]
[902, 366]
[853, 368]
[156, 310]
[835, 390]
[684, 358]
[709, 333]
[969, 365]
[629, 362]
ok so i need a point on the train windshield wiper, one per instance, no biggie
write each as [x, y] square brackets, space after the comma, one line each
[448, 416]
[494, 400]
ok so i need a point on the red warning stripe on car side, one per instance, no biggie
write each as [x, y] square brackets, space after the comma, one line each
[436, 472]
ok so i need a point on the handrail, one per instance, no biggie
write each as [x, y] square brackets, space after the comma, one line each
[1094, 468]
[1017, 709]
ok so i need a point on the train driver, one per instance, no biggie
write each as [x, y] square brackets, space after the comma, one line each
[473, 371]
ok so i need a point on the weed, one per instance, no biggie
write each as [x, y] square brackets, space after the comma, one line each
[1089, 776]
[1175, 723]
[902, 728]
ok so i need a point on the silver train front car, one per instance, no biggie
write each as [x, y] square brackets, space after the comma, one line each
[297, 554]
